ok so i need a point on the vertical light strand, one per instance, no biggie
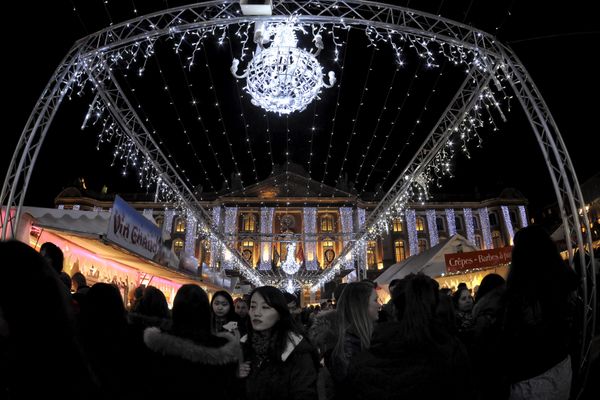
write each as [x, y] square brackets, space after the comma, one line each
[432, 226]
[347, 228]
[508, 223]
[215, 247]
[230, 233]
[190, 235]
[451, 219]
[309, 223]
[361, 247]
[266, 243]
[411, 226]
[469, 224]
[523, 216]
[484, 218]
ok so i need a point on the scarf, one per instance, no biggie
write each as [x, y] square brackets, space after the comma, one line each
[261, 345]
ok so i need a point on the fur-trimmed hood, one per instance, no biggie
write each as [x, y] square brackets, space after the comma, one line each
[323, 332]
[171, 345]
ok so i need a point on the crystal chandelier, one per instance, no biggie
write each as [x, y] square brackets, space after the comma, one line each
[290, 266]
[283, 78]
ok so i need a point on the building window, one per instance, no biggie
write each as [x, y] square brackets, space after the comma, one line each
[479, 242]
[493, 219]
[439, 222]
[397, 225]
[399, 250]
[248, 223]
[247, 248]
[371, 254]
[458, 222]
[422, 245]
[327, 223]
[497, 240]
[177, 246]
[513, 218]
[180, 225]
[420, 224]
[328, 251]
[475, 223]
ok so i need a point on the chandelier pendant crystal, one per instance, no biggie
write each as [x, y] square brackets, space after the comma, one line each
[283, 78]
[290, 266]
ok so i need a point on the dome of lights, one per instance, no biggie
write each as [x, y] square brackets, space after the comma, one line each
[284, 78]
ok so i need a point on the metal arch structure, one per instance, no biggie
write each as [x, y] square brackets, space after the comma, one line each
[498, 60]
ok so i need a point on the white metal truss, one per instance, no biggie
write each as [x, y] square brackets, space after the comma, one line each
[356, 13]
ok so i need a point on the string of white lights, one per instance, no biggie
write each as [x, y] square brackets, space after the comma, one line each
[347, 230]
[467, 212]
[309, 221]
[508, 223]
[191, 225]
[411, 227]
[432, 227]
[230, 231]
[451, 221]
[522, 216]
[215, 248]
[484, 218]
[266, 245]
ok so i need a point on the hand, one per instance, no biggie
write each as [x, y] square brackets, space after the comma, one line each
[244, 369]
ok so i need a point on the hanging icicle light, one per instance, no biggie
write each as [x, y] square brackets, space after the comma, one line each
[290, 266]
[283, 78]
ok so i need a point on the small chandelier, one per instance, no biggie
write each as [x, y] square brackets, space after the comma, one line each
[283, 78]
[290, 266]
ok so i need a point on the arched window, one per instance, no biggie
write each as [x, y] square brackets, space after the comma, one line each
[475, 222]
[497, 240]
[180, 225]
[327, 223]
[399, 250]
[247, 249]
[397, 225]
[177, 246]
[493, 219]
[328, 250]
[248, 223]
[420, 224]
[458, 221]
[372, 254]
[439, 222]
[422, 245]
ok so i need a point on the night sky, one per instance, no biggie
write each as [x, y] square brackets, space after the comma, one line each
[555, 45]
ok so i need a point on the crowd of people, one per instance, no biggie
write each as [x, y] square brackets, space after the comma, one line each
[512, 339]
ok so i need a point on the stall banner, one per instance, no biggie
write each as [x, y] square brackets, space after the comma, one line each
[457, 262]
[132, 231]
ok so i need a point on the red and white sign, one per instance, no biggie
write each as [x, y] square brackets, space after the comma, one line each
[457, 262]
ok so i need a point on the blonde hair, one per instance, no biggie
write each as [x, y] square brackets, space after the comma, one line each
[353, 315]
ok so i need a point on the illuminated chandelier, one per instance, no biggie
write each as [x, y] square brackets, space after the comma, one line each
[283, 78]
[290, 266]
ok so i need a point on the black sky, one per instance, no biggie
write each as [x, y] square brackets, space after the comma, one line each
[557, 45]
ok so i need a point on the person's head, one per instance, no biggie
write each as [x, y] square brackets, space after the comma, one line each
[489, 283]
[292, 302]
[268, 309]
[153, 303]
[78, 281]
[221, 305]
[357, 310]
[392, 285]
[103, 311]
[415, 300]
[53, 256]
[191, 312]
[241, 307]
[462, 300]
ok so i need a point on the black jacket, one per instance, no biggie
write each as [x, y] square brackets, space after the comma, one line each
[293, 377]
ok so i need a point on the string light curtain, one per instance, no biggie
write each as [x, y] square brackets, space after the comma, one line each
[469, 224]
[168, 222]
[432, 226]
[484, 217]
[215, 248]
[190, 235]
[523, 216]
[266, 229]
[451, 219]
[347, 228]
[411, 226]
[508, 223]
[310, 238]
[360, 254]
[230, 230]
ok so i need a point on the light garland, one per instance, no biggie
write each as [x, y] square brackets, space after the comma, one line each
[266, 229]
[310, 239]
[283, 78]
[523, 216]
[469, 224]
[347, 230]
[190, 235]
[230, 231]
[484, 218]
[411, 227]
[168, 222]
[451, 220]
[508, 223]
[215, 247]
[432, 226]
